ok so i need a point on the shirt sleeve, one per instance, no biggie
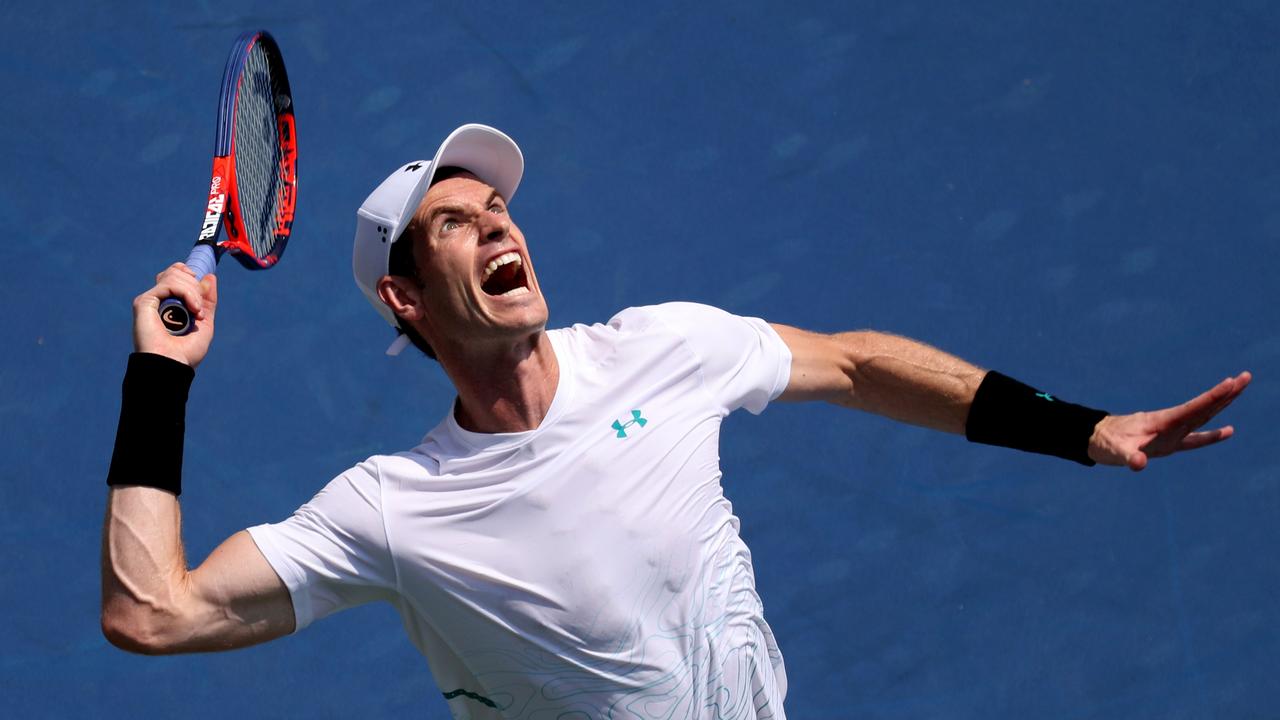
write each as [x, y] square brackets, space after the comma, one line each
[332, 553]
[744, 362]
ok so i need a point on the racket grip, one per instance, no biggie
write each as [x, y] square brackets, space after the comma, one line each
[174, 314]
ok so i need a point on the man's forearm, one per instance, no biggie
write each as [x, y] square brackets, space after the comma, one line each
[143, 565]
[909, 381]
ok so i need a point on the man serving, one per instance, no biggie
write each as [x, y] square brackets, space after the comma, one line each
[559, 545]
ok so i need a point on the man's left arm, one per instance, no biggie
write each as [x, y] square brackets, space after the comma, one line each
[910, 381]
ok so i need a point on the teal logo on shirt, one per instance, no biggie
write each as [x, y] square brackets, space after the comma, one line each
[636, 419]
[1046, 396]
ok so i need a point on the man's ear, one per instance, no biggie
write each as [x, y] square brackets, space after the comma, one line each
[402, 295]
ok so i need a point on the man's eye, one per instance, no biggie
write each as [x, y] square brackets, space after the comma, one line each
[449, 225]
[497, 209]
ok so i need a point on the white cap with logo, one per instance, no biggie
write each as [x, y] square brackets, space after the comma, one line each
[487, 153]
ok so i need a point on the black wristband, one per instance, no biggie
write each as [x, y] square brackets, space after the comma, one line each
[1009, 414]
[153, 413]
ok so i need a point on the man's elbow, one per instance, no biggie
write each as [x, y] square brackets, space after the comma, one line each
[136, 632]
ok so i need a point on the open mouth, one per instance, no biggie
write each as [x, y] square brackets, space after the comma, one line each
[505, 276]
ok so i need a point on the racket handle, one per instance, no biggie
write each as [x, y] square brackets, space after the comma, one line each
[174, 314]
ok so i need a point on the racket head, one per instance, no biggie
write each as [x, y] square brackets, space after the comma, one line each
[255, 182]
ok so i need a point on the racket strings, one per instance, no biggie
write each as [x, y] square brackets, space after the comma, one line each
[257, 152]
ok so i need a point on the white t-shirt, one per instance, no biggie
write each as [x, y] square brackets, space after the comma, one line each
[590, 568]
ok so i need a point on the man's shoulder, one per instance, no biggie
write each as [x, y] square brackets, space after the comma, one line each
[683, 319]
[667, 315]
[640, 323]
[676, 311]
[683, 323]
[413, 463]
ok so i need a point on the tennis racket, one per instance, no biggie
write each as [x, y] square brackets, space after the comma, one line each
[254, 186]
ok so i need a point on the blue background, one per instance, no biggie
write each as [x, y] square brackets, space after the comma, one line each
[1084, 195]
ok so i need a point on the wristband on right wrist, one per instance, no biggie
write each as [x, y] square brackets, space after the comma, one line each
[1010, 414]
[149, 438]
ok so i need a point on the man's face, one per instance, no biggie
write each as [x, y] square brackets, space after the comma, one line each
[477, 281]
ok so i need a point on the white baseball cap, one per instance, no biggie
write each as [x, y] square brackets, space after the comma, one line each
[487, 153]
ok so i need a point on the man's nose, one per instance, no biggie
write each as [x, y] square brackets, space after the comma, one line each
[493, 227]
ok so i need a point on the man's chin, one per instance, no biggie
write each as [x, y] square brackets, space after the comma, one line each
[525, 321]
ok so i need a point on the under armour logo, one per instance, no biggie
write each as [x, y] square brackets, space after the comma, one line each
[635, 420]
[413, 167]
[1046, 396]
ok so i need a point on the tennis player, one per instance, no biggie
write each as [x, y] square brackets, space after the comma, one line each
[559, 544]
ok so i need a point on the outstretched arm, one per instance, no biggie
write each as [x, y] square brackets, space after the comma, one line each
[912, 382]
[151, 603]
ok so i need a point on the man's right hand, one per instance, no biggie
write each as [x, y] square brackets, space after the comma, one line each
[201, 298]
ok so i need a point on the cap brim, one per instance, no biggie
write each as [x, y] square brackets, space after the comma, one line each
[488, 153]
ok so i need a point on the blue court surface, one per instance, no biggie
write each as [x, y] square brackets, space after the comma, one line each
[1083, 195]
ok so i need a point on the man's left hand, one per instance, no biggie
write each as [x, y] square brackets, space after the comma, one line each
[1133, 439]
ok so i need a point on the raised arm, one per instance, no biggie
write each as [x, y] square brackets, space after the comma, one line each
[912, 382]
[151, 602]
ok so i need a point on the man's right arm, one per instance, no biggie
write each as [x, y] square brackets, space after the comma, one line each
[151, 602]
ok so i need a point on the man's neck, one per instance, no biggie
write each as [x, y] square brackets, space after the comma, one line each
[505, 390]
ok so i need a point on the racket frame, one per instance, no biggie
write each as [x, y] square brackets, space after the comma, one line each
[222, 209]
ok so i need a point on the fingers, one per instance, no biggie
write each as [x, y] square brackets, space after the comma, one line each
[1238, 383]
[200, 298]
[209, 286]
[1236, 386]
[1198, 440]
[1206, 401]
[176, 267]
[178, 281]
[1202, 408]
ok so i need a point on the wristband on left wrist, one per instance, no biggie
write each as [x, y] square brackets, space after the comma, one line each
[1011, 414]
